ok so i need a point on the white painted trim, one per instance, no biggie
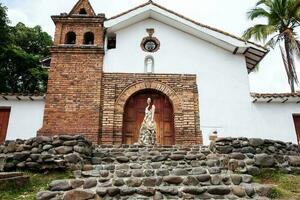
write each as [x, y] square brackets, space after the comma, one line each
[152, 11]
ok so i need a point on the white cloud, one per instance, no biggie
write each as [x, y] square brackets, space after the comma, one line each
[229, 15]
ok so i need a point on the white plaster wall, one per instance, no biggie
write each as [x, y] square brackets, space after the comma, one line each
[26, 118]
[275, 121]
[222, 80]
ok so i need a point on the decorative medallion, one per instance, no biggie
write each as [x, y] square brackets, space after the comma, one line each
[150, 44]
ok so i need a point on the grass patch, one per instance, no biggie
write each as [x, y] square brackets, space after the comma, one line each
[36, 183]
[287, 186]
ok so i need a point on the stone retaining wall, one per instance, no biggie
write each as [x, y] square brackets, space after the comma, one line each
[254, 146]
[45, 153]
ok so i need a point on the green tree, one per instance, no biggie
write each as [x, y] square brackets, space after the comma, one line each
[283, 18]
[4, 28]
[24, 47]
[32, 40]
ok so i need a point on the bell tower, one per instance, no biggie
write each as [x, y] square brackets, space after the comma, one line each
[73, 98]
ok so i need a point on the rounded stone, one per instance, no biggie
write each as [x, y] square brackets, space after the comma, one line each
[194, 190]
[101, 191]
[190, 180]
[214, 170]
[173, 179]
[294, 161]
[133, 182]
[256, 142]
[218, 190]
[247, 178]
[159, 158]
[104, 173]
[122, 167]
[203, 178]
[248, 150]
[149, 182]
[215, 180]
[149, 172]
[118, 182]
[123, 173]
[198, 171]
[249, 190]
[264, 160]
[252, 170]
[45, 195]
[264, 190]
[64, 149]
[135, 166]
[89, 183]
[180, 172]
[79, 195]
[146, 191]
[76, 183]
[138, 173]
[176, 157]
[237, 156]
[122, 159]
[59, 185]
[113, 191]
[162, 172]
[168, 190]
[236, 179]
[238, 191]
[127, 191]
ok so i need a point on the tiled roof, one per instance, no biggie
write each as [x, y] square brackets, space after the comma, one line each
[22, 96]
[188, 19]
[276, 97]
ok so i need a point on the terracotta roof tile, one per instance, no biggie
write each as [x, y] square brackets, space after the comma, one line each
[275, 95]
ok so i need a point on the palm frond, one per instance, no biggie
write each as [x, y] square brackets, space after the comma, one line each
[258, 12]
[268, 3]
[259, 32]
[273, 41]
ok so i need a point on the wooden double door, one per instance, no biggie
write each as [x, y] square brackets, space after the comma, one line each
[4, 118]
[134, 113]
[297, 126]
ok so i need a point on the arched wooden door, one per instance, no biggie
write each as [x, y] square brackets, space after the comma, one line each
[134, 113]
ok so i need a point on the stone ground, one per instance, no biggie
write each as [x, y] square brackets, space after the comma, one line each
[137, 172]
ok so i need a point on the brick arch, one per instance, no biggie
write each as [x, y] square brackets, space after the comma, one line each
[161, 87]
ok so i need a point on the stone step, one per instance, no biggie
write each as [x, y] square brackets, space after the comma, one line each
[4, 175]
[134, 188]
[13, 178]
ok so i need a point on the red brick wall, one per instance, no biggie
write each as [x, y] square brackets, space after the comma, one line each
[74, 87]
[181, 89]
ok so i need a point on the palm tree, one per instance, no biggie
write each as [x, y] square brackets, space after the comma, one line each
[283, 17]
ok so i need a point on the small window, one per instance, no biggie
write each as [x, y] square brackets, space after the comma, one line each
[149, 64]
[88, 38]
[111, 41]
[82, 11]
[70, 38]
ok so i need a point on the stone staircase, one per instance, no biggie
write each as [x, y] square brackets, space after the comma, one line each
[158, 172]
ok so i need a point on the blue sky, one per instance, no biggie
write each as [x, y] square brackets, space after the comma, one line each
[229, 15]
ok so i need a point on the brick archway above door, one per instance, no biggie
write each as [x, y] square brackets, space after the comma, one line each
[181, 90]
[161, 87]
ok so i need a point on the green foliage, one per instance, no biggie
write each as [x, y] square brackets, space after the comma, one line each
[31, 40]
[37, 182]
[287, 186]
[4, 28]
[283, 20]
[20, 55]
